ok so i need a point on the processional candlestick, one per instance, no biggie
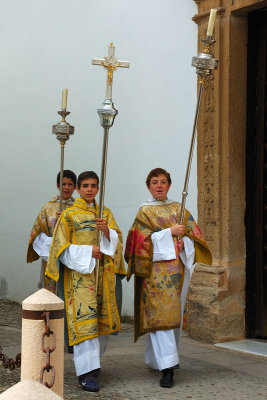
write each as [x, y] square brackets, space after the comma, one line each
[63, 130]
[107, 114]
[204, 63]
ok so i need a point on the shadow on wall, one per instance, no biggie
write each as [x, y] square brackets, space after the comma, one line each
[3, 287]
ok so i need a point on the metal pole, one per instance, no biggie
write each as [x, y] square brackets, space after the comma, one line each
[101, 195]
[62, 145]
[103, 173]
[189, 163]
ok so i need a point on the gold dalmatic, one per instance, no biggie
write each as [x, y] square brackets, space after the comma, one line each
[158, 285]
[46, 222]
[88, 315]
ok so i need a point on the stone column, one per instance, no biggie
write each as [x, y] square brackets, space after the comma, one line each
[33, 359]
[216, 300]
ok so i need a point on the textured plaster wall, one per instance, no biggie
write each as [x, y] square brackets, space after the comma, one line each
[46, 46]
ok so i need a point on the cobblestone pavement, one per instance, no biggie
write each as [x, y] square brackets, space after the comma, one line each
[206, 372]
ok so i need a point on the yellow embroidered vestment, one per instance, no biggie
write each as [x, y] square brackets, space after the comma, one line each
[87, 317]
[46, 222]
[158, 285]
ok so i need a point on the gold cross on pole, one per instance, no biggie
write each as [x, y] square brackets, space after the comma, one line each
[110, 63]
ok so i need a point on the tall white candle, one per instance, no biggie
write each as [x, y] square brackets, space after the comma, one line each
[64, 98]
[211, 22]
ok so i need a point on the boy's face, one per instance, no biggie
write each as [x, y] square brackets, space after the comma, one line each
[88, 189]
[159, 187]
[67, 188]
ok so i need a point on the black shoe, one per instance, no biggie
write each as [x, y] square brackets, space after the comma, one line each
[88, 381]
[167, 378]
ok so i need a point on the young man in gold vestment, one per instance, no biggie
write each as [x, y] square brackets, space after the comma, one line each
[91, 315]
[44, 225]
[162, 264]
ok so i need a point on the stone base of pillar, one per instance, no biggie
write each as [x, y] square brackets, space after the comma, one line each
[216, 303]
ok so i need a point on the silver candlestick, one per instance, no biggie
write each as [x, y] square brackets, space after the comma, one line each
[205, 63]
[63, 130]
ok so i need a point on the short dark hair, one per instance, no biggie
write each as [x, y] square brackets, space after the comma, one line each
[87, 175]
[67, 173]
[156, 172]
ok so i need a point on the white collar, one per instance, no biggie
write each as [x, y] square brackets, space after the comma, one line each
[151, 201]
[69, 200]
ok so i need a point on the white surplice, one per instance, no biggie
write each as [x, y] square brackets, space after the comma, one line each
[162, 346]
[41, 245]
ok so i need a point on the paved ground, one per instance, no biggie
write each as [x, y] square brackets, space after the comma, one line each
[206, 372]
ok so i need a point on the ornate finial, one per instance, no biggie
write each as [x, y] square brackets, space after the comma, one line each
[111, 44]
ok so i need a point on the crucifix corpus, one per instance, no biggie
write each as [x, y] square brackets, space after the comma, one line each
[107, 114]
[204, 63]
[110, 63]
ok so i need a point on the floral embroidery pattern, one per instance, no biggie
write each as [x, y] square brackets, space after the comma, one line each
[88, 315]
[158, 284]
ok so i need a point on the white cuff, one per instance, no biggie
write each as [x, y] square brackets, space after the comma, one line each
[188, 253]
[78, 258]
[41, 245]
[163, 246]
[108, 247]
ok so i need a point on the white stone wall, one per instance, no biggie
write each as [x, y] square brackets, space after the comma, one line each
[48, 45]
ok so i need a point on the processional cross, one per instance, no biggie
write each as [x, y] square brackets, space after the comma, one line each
[107, 114]
[110, 63]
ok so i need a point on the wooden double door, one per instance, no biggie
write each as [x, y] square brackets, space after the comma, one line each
[256, 176]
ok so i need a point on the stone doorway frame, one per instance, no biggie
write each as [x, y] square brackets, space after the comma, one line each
[217, 299]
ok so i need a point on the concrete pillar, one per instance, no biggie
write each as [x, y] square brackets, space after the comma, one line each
[33, 359]
[29, 390]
